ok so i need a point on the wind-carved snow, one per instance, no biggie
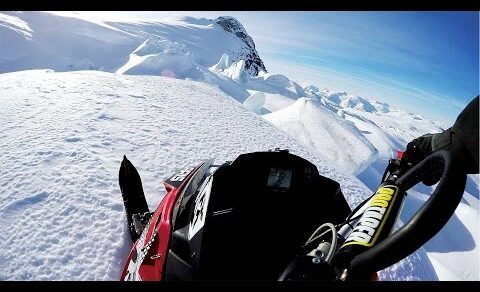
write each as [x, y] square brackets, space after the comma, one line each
[207, 39]
[255, 103]
[222, 64]
[236, 72]
[15, 24]
[62, 44]
[171, 59]
[334, 138]
[275, 84]
[160, 57]
[66, 43]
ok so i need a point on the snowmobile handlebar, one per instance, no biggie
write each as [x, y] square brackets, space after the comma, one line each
[429, 219]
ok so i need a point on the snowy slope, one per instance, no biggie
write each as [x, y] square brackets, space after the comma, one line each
[62, 137]
[42, 40]
[45, 40]
[218, 52]
[310, 122]
[453, 252]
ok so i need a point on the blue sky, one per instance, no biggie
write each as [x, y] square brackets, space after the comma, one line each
[425, 62]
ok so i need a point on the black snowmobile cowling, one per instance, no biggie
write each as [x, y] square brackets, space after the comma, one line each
[242, 220]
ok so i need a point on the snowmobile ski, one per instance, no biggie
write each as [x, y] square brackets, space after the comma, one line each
[136, 206]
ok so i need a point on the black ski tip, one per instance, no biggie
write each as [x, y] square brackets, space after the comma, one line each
[126, 165]
[132, 193]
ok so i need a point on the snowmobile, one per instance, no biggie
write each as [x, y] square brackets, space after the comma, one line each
[271, 216]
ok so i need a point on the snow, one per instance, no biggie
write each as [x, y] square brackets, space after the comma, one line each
[202, 37]
[16, 24]
[66, 41]
[335, 139]
[159, 57]
[222, 64]
[63, 134]
[275, 102]
[236, 71]
[453, 252]
[351, 101]
[275, 84]
[255, 102]
[63, 44]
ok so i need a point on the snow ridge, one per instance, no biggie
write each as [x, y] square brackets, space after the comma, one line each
[334, 138]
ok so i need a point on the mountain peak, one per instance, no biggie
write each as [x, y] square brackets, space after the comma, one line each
[230, 24]
[253, 63]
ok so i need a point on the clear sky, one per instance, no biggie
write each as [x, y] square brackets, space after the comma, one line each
[425, 62]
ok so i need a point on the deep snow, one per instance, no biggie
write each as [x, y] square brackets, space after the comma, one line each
[62, 139]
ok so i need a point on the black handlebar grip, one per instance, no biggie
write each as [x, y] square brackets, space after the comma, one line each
[427, 222]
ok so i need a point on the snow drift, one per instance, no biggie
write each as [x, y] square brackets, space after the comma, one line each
[334, 138]
[60, 43]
